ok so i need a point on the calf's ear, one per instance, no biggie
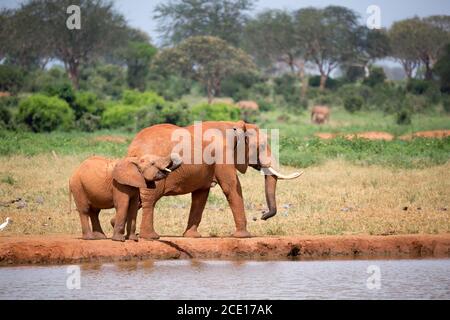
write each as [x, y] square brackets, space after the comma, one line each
[127, 173]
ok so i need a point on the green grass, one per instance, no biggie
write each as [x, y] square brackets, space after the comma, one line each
[298, 146]
[62, 143]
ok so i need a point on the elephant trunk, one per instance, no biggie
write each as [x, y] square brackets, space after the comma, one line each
[270, 188]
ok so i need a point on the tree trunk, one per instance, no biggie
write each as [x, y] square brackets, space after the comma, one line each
[428, 69]
[303, 79]
[73, 73]
[323, 81]
[209, 91]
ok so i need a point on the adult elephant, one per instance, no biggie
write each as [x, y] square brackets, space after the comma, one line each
[197, 177]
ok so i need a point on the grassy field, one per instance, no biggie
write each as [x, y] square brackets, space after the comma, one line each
[350, 187]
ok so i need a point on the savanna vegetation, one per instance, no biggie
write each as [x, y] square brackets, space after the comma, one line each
[67, 94]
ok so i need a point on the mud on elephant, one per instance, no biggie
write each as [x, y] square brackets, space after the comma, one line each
[100, 183]
[197, 178]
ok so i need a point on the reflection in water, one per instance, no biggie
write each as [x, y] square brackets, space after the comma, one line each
[196, 279]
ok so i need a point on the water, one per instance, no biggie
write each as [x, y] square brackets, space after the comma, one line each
[191, 279]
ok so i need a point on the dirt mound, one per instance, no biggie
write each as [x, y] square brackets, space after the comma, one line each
[115, 139]
[436, 134]
[67, 249]
[326, 136]
[370, 135]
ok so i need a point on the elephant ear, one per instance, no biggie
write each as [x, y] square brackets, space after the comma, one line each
[241, 147]
[127, 173]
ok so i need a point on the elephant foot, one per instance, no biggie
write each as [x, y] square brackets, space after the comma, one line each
[192, 234]
[132, 237]
[99, 235]
[88, 236]
[149, 236]
[242, 234]
[118, 237]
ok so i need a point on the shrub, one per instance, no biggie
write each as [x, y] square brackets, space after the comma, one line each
[215, 112]
[5, 117]
[87, 102]
[170, 87]
[353, 103]
[288, 87]
[43, 114]
[404, 117]
[88, 122]
[40, 80]
[331, 83]
[62, 90]
[446, 103]
[265, 105]
[103, 79]
[120, 115]
[417, 86]
[147, 98]
[11, 78]
[376, 77]
[136, 110]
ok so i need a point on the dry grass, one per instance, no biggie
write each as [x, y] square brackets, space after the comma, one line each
[334, 198]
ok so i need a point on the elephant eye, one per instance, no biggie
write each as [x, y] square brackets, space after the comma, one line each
[153, 163]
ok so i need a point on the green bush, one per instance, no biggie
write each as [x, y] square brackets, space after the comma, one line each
[376, 77]
[120, 115]
[136, 110]
[215, 112]
[62, 90]
[417, 86]
[43, 114]
[353, 103]
[288, 87]
[11, 78]
[170, 87]
[147, 98]
[87, 102]
[40, 80]
[106, 80]
[88, 122]
[5, 117]
[403, 117]
[446, 103]
[331, 83]
[265, 105]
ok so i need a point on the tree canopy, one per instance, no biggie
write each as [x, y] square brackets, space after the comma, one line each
[181, 19]
[206, 59]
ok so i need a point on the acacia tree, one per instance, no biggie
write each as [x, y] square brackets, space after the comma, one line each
[270, 37]
[181, 19]
[418, 41]
[102, 29]
[403, 40]
[329, 37]
[206, 59]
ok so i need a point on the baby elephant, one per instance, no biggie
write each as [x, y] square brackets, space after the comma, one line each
[99, 183]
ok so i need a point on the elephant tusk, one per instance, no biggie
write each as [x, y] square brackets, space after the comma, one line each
[281, 176]
[167, 170]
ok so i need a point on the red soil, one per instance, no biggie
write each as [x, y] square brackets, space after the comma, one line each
[371, 135]
[437, 134]
[68, 249]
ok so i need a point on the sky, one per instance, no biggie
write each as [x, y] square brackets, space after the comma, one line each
[139, 12]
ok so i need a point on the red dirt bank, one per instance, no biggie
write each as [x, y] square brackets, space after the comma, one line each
[67, 249]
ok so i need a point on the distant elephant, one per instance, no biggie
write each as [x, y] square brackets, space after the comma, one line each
[197, 178]
[320, 114]
[100, 183]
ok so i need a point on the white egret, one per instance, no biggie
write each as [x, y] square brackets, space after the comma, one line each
[4, 224]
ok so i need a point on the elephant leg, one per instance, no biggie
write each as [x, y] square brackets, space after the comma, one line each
[199, 198]
[86, 230]
[131, 219]
[231, 187]
[97, 230]
[148, 199]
